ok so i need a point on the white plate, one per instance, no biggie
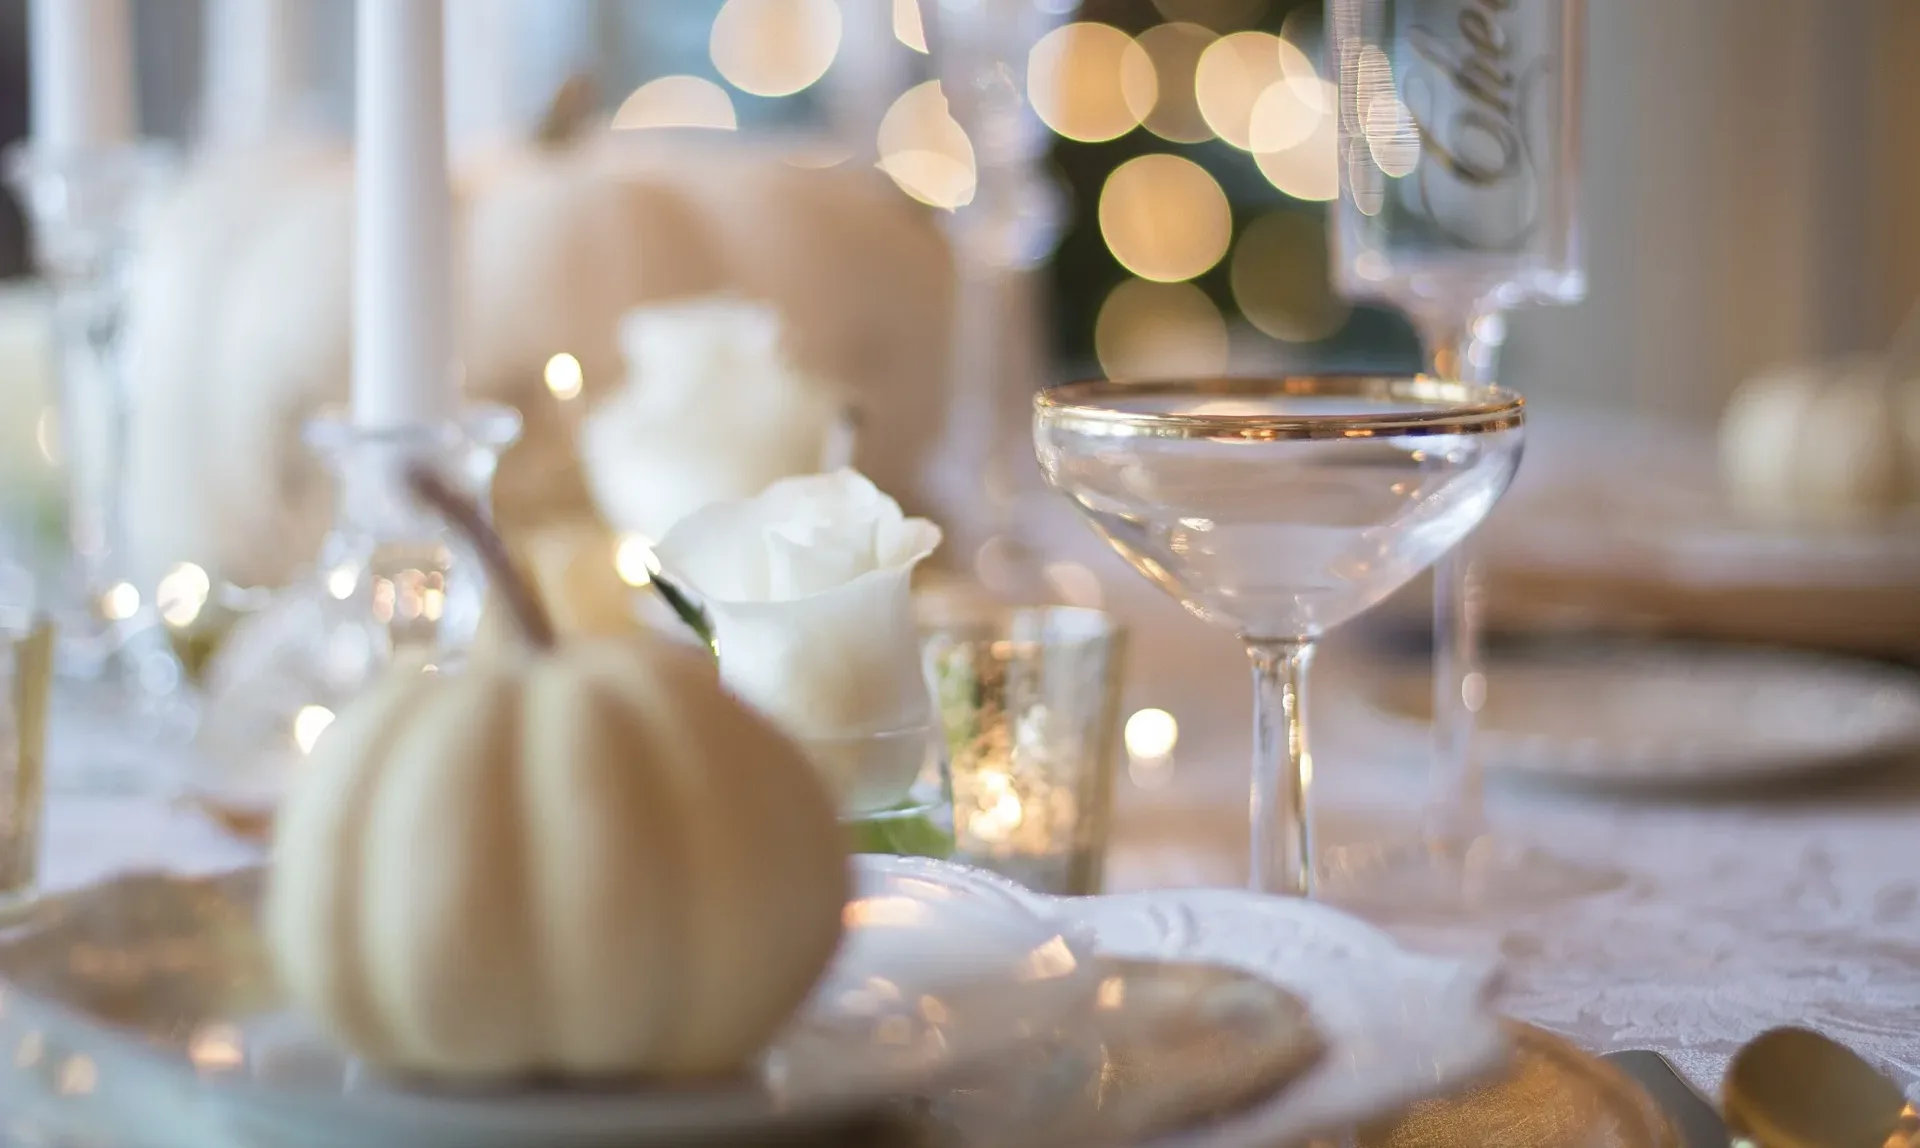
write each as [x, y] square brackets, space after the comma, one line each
[1397, 1026]
[141, 1013]
[1675, 717]
[133, 1019]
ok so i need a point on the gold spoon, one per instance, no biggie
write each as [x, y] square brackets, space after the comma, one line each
[1793, 1088]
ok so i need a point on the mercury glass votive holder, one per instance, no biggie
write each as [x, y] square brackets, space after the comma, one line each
[1029, 701]
[26, 668]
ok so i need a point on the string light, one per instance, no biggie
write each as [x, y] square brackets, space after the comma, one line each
[1310, 168]
[907, 27]
[1280, 278]
[774, 47]
[1229, 79]
[1164, 217]
[1157, 330]
[564, 377]
[1175, 50]
[1090, 82]
[677, 102]
[182, 594]
[925, 150]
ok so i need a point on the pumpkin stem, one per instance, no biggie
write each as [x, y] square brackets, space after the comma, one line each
[569, 112]
[465, 517]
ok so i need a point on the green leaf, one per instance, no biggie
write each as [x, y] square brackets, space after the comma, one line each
[908, 835]
[686, 609]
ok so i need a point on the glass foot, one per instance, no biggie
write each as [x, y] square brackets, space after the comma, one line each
[1447, 879]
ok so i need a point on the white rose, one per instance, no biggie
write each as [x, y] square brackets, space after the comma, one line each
[806, 586]
[712, 411]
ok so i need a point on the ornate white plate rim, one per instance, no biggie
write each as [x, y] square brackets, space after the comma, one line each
[1409, 1027]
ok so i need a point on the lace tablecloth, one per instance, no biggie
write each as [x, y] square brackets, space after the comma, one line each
[1737, 916]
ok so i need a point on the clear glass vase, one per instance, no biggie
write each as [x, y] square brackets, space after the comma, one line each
[84, 208]
[391, 584]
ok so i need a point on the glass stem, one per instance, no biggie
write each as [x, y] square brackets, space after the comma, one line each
[1282, 860]
[1467, 348]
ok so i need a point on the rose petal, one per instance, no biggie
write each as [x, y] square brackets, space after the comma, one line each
[839, 663]
[806, 558]
[720, 551]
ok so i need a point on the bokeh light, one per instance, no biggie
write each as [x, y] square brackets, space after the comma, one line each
[1175, 51]
[1074, 583]
[1286, 114]
[1229, 80]
[564, 377]
[907, 27]
[182, 594]
[1309, 169]
[1151, 733]
[1220, 15]
[120, 602]
[925, 150]
[1090, 82]
[1164, 217]
[774, 47]
[633, 560]
[1280, 280]
[677, 102]
[1159, 330]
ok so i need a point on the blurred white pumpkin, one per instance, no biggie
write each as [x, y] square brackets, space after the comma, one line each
[573, 856]
[1823, 444]
[239, 308]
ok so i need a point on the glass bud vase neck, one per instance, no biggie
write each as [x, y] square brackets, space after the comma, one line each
[391, 586]
[388, 565]
[84, 207]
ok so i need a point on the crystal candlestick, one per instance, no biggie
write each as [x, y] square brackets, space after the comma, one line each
[1009, 228]
[84, 207]
[390, 586]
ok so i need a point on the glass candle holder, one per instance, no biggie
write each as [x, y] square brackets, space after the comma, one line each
[1029, 702]
[390, 586]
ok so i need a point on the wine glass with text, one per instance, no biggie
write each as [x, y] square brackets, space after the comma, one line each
[1459, 160]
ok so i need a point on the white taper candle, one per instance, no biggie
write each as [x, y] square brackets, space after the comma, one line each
[403, 358]
[80, 55]
[480, 74]
[254, 71]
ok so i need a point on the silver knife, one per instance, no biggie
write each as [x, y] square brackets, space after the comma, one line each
[1690, 1113]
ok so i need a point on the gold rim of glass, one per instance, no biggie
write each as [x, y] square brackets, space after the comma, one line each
[1435, 406]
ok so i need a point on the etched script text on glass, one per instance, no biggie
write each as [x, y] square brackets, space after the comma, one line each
[1452, 116]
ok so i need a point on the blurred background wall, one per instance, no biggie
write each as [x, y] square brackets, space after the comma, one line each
[1752, 168]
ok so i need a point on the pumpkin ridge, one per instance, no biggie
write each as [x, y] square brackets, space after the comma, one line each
[355, 995]
[638, 684]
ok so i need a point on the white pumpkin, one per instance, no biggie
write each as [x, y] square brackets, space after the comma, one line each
[239, 308]
[581, 859]
[1833, 444]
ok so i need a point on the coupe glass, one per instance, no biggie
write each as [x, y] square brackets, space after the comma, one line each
[1281, 507]
[1460, 165]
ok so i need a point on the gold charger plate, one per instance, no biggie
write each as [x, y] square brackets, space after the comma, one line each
[1551, 1096]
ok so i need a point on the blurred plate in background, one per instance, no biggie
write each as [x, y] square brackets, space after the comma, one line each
[1672, 717]
[1615, 525]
